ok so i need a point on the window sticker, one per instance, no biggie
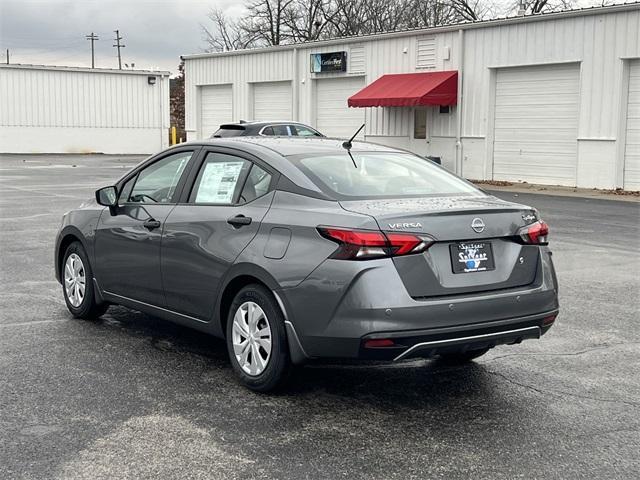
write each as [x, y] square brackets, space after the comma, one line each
[218, 182]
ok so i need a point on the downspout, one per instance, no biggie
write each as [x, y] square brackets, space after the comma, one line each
[295, 87]
[459, 103]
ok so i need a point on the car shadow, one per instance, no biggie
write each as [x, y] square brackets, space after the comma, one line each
[412, 384]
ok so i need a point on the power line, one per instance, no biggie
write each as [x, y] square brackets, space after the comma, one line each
[118, 46]
[93, 37]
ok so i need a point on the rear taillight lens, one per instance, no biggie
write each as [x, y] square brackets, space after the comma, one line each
[535, 234]
[367, 244]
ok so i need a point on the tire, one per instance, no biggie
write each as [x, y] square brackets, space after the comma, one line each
[462, 357]
[257, 368]
[77, 284]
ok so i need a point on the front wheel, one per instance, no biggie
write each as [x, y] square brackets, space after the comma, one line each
[77, 284]
[256, 339]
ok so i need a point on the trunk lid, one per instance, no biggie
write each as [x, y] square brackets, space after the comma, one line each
[450, 221]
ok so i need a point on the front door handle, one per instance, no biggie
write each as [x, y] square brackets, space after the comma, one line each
[151, 224]
[239, 220]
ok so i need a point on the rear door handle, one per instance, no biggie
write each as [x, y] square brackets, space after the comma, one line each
[239, 220]
[151, 224]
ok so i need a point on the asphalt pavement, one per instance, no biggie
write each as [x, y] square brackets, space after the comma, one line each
[133, 396]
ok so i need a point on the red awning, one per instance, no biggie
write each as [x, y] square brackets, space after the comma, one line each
[409, 90]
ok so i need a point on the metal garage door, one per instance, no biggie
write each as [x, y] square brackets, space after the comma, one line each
[272, 101]
[632, 148]
[216, 108]
[536, 124]
[333, 117]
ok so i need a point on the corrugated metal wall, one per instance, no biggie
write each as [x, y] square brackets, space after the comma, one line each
[78, 110]
[599, 40]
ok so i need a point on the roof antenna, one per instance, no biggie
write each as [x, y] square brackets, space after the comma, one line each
[347, 145]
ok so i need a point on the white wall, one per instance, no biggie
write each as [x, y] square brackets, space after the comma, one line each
[67, 110]
[600, 40]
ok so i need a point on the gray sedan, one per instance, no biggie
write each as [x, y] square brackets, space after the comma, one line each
[294, 249]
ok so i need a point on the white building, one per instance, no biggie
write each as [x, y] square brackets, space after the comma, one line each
[47, 109]
[552, 99]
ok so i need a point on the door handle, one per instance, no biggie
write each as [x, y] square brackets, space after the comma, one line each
[239, 220]
[151, 224]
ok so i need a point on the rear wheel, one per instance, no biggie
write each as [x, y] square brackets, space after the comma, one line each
[463, 357]
[77, 284]
[256, 339]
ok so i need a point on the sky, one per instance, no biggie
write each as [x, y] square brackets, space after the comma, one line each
[155, 32]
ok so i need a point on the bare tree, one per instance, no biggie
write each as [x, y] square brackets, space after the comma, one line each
[348, 17]
[267, 20]
[308, 20]
[226, 34]
[533, 7]
[276, 22]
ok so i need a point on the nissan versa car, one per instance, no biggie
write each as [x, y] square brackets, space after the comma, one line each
[293, 249]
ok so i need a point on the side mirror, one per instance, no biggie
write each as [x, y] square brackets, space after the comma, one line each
[107, 196]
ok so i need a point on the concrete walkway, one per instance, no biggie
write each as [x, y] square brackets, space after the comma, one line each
[562, 191]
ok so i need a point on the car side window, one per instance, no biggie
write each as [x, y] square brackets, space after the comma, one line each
[280, 130]
[219, 179]
[302, 131]
[268, 131]
[157, 183]
[256, 185]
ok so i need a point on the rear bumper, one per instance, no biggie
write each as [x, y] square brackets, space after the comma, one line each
[341, 305]
[428, 343]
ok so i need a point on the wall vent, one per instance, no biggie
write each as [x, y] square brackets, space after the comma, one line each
[426, 52]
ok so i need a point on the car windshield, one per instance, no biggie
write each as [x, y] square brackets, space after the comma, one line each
[228, 131]
[381, 174]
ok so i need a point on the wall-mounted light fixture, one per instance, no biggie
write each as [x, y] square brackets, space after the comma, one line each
[151, 80]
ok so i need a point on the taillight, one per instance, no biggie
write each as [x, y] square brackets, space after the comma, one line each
[367, 244]
[536, 233]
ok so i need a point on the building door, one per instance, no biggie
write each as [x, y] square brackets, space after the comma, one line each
[632, 146]
[272, 101]
[536, 124]
[333, 116]
[216, 108]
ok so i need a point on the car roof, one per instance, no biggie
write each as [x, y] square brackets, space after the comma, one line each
[255, 123]
[290, 146]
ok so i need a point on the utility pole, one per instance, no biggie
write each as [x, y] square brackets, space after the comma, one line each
[92, 38]
[118, 46]
[7, 56]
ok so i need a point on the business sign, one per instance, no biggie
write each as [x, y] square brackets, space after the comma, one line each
[329, 62]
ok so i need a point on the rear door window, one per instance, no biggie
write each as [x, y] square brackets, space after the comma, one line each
[220, 179]
[282, 130]
[302, 131]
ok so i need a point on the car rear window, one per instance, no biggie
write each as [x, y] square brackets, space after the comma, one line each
[380, 175]
[228, 131]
